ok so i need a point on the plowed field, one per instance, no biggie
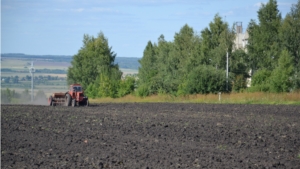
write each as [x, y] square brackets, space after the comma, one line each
[150, 135]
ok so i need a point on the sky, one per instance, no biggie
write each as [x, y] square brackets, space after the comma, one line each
[56, 27]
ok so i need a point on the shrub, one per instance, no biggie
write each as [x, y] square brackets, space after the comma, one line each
[204, 79]
[126, 86]
[260, 81]
[142, 91]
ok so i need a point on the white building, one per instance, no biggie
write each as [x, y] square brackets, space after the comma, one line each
[240, 42]
[241, 39]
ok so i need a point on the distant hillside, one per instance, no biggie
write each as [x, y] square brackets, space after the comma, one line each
[128, 62]
[123, 62]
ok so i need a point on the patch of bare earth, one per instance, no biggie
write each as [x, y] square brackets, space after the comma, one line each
[150, 135]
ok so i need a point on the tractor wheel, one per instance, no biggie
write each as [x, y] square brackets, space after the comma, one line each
[73, 103]
[68, 100]
[87, 103]
[50, 101]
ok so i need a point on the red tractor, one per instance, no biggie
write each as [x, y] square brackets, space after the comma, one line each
[74, 97]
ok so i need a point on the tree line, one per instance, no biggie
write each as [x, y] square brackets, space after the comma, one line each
[11, 96]
[37, 79]
[53, 71]
[196, 62]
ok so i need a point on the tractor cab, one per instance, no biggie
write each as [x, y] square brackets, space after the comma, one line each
[77, 94]
[76, 88]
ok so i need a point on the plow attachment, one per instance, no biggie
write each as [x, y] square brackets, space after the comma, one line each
[57, 99]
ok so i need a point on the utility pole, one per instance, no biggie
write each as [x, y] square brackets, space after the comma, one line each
[32, 70]
[227, 70]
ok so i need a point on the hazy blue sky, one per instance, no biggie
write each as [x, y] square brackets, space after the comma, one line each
[56, 27]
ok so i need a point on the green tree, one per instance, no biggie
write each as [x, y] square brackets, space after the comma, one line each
[127, 86]
[261, 81]
[167, 66]
[92, 90]
[204, 79]
[148, 70]
[164, 76]
[6, 96]
[109, 83]
[216, 41]
[184, 43]
[263, 43]
[290, 37]
[254, 47]
[239, 63]
[181, 54]
[94, 60]
[9, 96]
[239, 83]
[282, 76]
[105, 88]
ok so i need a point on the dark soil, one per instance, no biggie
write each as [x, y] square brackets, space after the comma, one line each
[150, 135]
